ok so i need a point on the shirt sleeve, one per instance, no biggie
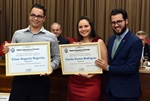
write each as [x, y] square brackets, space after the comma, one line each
[55, 55]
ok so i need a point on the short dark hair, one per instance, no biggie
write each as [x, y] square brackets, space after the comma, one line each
[92, 33]
[119, 11]
[40, 7]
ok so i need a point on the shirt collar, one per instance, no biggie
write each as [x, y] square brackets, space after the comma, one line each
[42, 30]
[122, 35]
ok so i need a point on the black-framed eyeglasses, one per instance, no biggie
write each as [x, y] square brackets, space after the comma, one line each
[39, 17]
[119, 22]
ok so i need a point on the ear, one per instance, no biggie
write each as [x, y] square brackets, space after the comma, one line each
[126, 21]
[44, 18]
[60, 30]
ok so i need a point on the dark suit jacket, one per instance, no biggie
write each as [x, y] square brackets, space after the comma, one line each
[147, 51]
[123, 75]
[62, 40]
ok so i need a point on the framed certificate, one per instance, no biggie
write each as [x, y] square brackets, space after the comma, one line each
[79, 58]
[28, 58]
[4, 96]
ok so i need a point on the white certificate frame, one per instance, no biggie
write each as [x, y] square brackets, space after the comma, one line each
[30, 58]
[80, 58]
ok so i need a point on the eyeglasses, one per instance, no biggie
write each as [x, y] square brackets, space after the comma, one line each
[39, 17]
[119, 22]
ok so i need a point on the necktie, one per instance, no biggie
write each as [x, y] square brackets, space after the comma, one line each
[116, 44]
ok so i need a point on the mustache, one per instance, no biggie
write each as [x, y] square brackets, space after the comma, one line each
[122, 30]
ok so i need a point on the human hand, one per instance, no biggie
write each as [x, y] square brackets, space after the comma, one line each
[86, 75]
[102, 64]
[46, 74]
[5, 48]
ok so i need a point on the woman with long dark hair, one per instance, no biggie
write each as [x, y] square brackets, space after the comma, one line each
[83, 86]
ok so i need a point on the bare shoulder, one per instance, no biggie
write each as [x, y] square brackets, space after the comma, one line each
[101, 41]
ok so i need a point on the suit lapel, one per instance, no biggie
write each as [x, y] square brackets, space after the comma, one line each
[122, 43]
[110, 46]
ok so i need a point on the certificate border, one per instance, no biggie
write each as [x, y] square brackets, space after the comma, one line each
[83, 44]
[28, 73]
[4, 94]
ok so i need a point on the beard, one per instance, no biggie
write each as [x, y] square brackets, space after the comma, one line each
[122, 31]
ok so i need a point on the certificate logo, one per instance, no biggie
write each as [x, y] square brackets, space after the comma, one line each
[66, 50]
[12, 50]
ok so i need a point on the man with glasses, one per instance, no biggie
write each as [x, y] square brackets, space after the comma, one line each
[34, 87]
[123, 83]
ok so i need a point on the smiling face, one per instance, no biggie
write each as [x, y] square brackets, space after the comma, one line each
[56, 29]
[119, 25]
[36, 17]
[143, 38]
[84, 28]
